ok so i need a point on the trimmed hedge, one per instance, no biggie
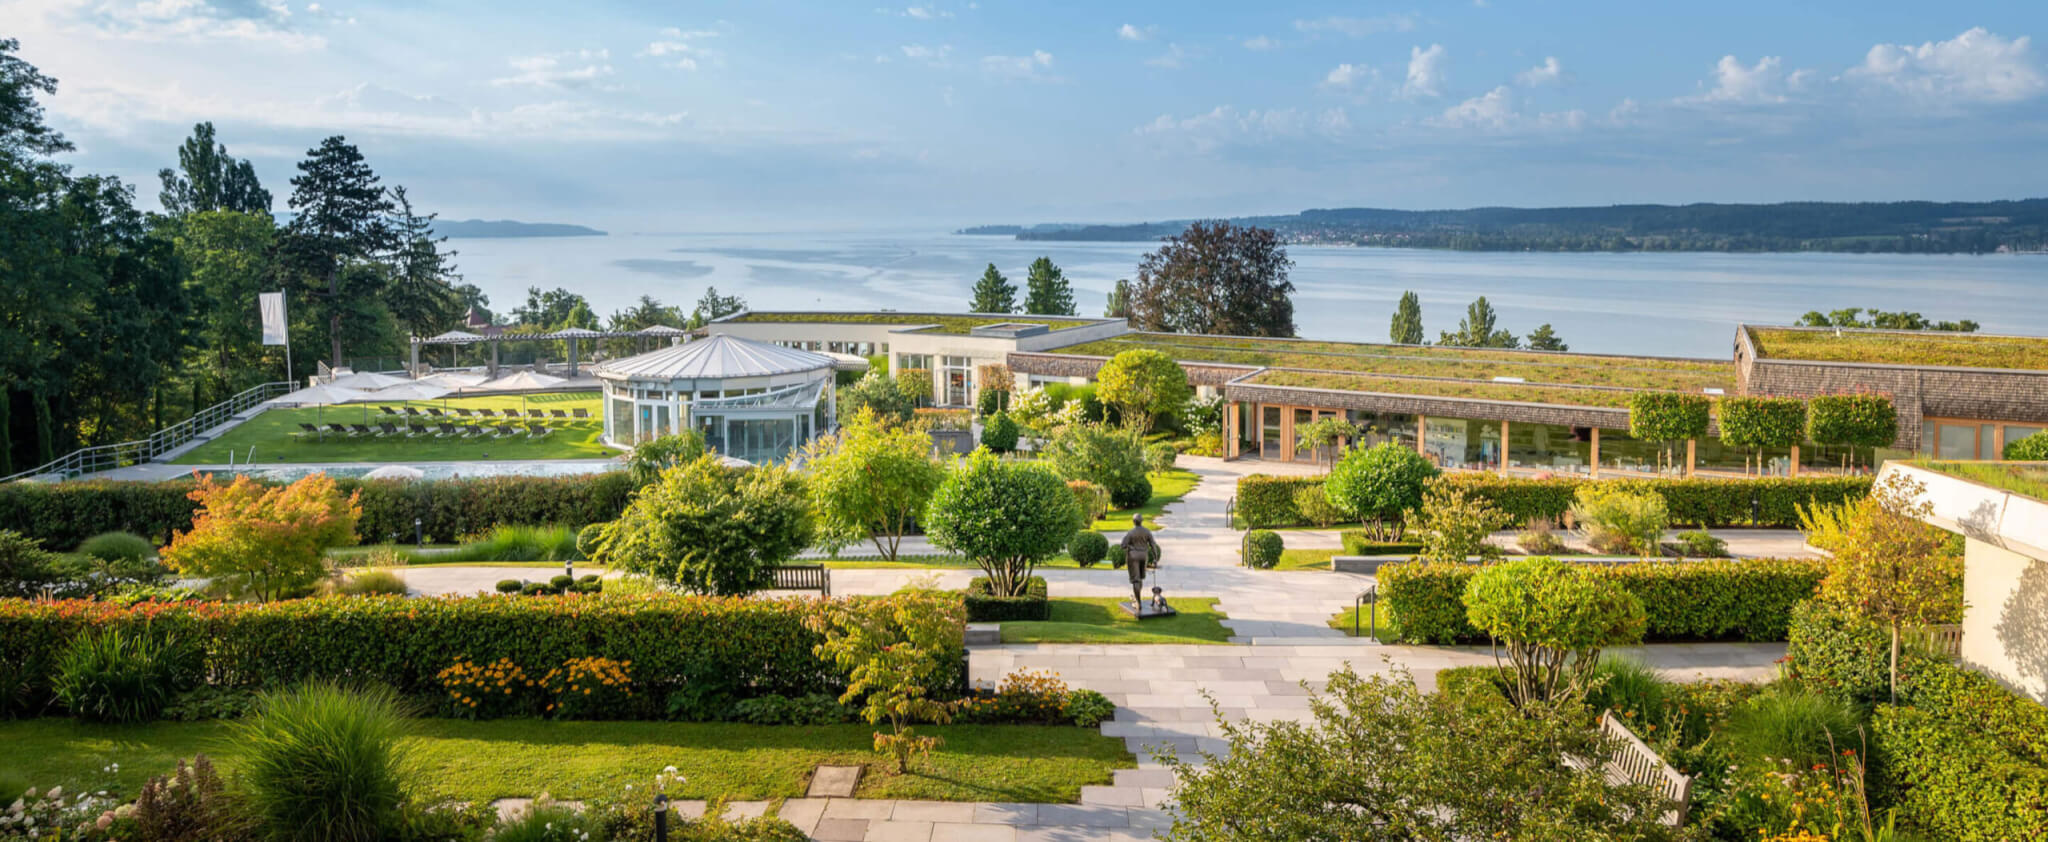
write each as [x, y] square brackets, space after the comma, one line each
[63, 514]
[1668, 416]
[1763, 502]
[1954, 782]
[1266, 501]
[983, 608]
[1702, 600]
[1361, 542]
[1862, 420]
[753, 646]
[1840, 653]
[1763, 422]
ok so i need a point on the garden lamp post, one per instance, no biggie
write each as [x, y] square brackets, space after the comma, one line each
[661, 817]
[1369, 596]
[419, 535]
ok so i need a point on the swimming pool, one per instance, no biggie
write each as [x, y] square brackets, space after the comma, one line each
[434, 470]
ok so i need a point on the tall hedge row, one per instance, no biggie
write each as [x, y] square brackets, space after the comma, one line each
[63, 514]
[1954, 782]
[752, 646]
[1749, 599]
[1267, 501]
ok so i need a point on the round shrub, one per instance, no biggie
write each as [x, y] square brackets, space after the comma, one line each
[1000, 433]
[323, 763]
[1380, 483]
[1797, 724]
[1088, 547]
[561, 581]
[2033, 448]
[510, 585]
[1004, 516]
[536, 589]
[117, 547]
[1088, 708]
[1131, 495]
[1160, 456]
[1262, 549]
[109, 676]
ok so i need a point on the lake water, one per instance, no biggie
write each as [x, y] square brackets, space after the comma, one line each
[1670, 304]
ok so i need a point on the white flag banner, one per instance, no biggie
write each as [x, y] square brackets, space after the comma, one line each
[271, 304]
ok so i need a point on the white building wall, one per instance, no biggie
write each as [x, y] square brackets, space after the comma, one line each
[2005, 617]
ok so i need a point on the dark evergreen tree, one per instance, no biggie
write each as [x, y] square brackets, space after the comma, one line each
[1478, 329]
[1047, 292]
[1216, 277]
[712, 306]
[342, 220]
[1119, 306]
[1545, 339]
[421, 297]
[993, 293]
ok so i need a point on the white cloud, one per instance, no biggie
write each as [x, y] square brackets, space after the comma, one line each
[1498, 111]
[265, 22]
[926, 13]
[678, 47]
[1260, 42]
[572, 69]
[920, 52]
[1018, 67]
[1425, 71]
[1350, 75]
[1547, 73]
[1174, 58]
[1357, 27]
[1129, 32]
[1976, 66]
[1762, 83]
[1225, 126]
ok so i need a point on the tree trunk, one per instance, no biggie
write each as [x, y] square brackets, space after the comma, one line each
[334, 311]
[46, 429]
[1895, 662]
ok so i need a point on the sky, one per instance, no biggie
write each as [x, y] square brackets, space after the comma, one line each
[775, 115]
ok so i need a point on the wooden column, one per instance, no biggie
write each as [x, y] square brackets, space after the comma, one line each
[1286, 434]
[1689, 443]
[1792, 470]
[1422, 435]
[1593, 470]
[1230, 411]
[1502, 462]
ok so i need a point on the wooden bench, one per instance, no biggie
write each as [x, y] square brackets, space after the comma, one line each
[804, 577]
[1633, 762]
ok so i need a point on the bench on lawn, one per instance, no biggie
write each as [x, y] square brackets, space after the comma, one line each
[804, 577]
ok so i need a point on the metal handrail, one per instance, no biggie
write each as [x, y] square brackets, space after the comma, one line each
[104, 457]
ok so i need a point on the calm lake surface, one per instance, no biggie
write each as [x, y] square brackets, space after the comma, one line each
[1669, 304]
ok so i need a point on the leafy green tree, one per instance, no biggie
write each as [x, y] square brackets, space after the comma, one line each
[993, 293]
[1478, 329]
[421, 297]
[1552, 620]
[1543, 338]
[712, 529]
[342, 219]
[877, 393]
[648, 459]
[1407, 327]
[1756, 423]
[1119, 306]
[1863, 419]
[1379, 485]
[1004, 516]
[2033, 448]
[1111, 458]
[1382, 761]
[872, 479]
[1850, 317]
[1143, 384]
[209, 179]
[23, 134]
[1668, 418]
[1885, 566]
[1216, 277]
[549, 310]
[711, 307]
[228, 255]
[897, 652]
[1047, 292]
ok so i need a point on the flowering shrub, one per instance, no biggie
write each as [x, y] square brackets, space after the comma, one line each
[1036, 698]
[590, 688]
[499, 688]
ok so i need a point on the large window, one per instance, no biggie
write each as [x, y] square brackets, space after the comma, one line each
[958, 374]
[1963, 439]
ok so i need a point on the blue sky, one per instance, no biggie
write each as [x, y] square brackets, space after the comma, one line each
[780, 115]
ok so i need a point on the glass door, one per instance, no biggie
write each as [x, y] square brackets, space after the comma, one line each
[1269, 432]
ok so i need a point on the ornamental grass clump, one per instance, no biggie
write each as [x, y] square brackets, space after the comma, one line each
[1552, 621]
[321, 762]
[117, 676]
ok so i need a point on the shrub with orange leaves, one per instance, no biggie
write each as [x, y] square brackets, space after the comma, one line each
[496, 689]
[264, 541]
[590, 688]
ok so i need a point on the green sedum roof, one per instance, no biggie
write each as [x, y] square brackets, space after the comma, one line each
[942, 323]
[1471, 389]
[1911, 347]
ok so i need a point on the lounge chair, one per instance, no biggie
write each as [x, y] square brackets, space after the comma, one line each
[360, 430]
[486, 412]
[337, 428]
[388, 429]
[538, 431]
[462, 411]
[535, 413]
[580, 414]
[413, 411]
[505, 430]
[386, 410]
[448, 430]
[436, 412]
[558, 414]
[308, 428]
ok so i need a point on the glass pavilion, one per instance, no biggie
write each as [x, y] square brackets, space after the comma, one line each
[751, 400]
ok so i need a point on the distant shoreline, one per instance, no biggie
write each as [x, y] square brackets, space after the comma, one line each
[461, 229]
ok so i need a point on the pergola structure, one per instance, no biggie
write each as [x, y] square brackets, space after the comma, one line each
[575, 336]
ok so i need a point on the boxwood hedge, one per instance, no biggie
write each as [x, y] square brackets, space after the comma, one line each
[63, 514]
[1266, 501]
[984, 608]
[1749, 599]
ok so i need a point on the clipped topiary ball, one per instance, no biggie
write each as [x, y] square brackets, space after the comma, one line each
[561, 582]
[1262, 549]
[510, 585]
[1132, 495]
[1088, 547]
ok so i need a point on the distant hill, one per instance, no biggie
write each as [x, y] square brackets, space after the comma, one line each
[1021, 231]
[482, 228]
[1915, 227]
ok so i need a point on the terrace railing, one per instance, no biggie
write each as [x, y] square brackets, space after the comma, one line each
[104, 457]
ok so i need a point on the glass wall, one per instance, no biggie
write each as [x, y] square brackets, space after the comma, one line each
[760, 440]
[1948, 438]
[1270, 444]
[1622, 454]
[1550, 448]
[1377, 427]
[1460, 443]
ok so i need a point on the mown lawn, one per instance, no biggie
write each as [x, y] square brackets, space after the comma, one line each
[951, 562]
[1099, 620]
[476, 761]
[1388, 632]
[1167, 488]
[1306, 559]
[275, 434]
